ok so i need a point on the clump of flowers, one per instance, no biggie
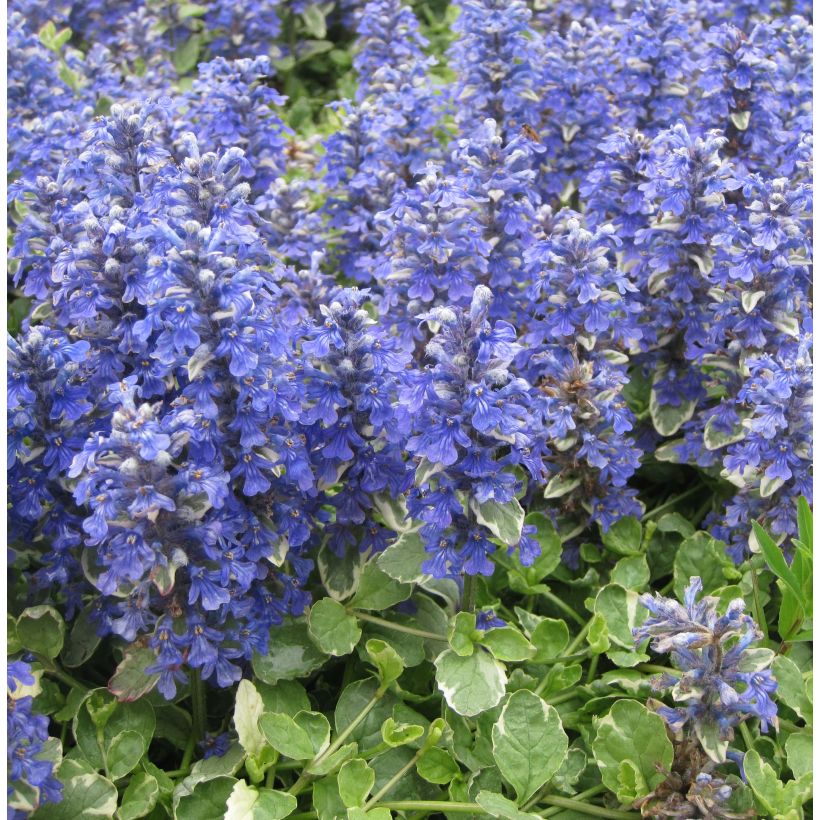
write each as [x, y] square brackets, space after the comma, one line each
[470, 429]
[724, 679]
[31, 780]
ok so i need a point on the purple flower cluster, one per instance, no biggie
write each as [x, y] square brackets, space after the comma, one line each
[724, 680]
[27, 732]
[584, 199]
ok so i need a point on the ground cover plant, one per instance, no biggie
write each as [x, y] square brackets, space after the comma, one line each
[409, 409]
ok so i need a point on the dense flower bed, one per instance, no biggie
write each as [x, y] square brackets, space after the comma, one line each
[414, 337]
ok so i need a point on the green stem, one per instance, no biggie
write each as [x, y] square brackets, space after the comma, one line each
[593, 666]
[408, 630]
[747, 737]
[587, 808]
[579, 638]
[198, 707]
[393, 780]
[51, 668]
[432, 806]
[670, 502]
[561, 697]
[564, 607]
[305, 777]
[595, 790]
[759, 614]
[468, 599]
[654, 668]
[187, 757]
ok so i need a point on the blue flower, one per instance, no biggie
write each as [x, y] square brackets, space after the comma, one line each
[722, 682]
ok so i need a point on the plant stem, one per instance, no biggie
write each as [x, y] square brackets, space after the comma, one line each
[747, 736]
[393, 780]
[468, 598]
[579, 638]
[653, 667]
[561, 697]
[761, 618]
[670, 502]
[432, 806]
[593, 666]
[51, 668]
[564, 607]
[305, 777]
[587, 808]
[408, 630]
[198, 710]
[595, 790]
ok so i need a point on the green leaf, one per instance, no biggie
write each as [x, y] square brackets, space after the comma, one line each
[622, 611]
[666, 418]
[559, 485]
[774, 797]
[286, 696]
[805, 524]
[124, 753]
[709, 734]
[550, 638]
[18, 309]
[340, 575]
[251, 803]
[399, 734]
[315, 24]
[248, 708]
[378, 590]
[207, 801]
[291, 654]
[624, 537]
[472, 684]
[631, 572]
[507, 644]
[529, 743]
[385, 659]
[776, 560]
[402, 560]
[598, 635]
[332, 629]
[82, 641]
[130, 681]
[355, 780]
[550, 543]
[462, 633]
[437, 766]
[186, 10]
[496, 805]
[504, 521]
[85, 795]
[799, 748]
[186, 56]
[326, 800]
[215, 766]
[714, 438]
[139, 798]
[300, 737]
[791, 687]
[41, 629]
[630, 732]
[706, 557]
